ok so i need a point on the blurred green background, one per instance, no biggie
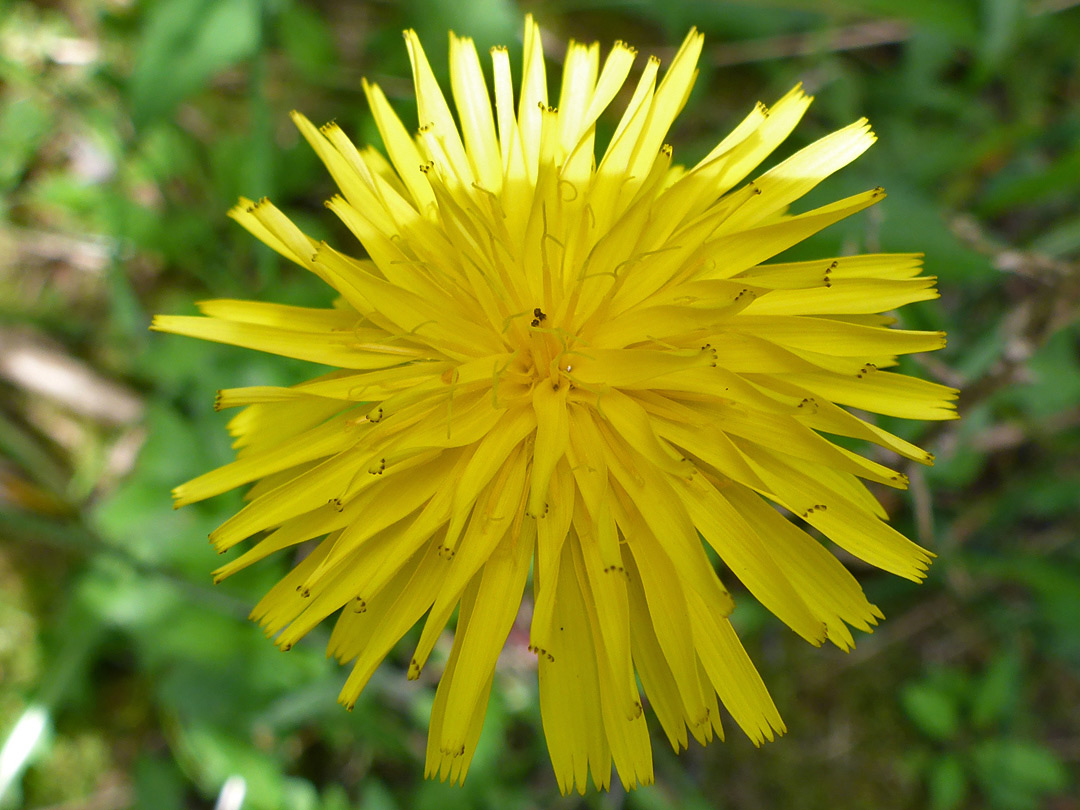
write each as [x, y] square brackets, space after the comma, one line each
[127, 680]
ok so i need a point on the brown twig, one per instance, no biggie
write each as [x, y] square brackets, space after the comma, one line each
[833, 40]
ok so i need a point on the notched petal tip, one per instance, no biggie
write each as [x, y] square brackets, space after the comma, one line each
[243, 206]
[300, 121]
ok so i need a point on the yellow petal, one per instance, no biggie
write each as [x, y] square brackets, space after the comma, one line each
[668, 102]
[664, 601]
[628, 367]
[731, 254]
[570, 702]
[486, 460]
[748, 557]
[797, 175]
[400, 147]
[533, 96]
[474, 111]
[834, 337]
[552, 437]
[496, 517]
[656, 676]
[737, 157]
[274, 231]
[339, 349]
[551, 533]
[302, 319]
[825, 585]
[434, 112]
[497, 600]
[854, 296]
[324, 440]
[852, 528]
[620, 704]
[795, 275]
[883, 392]
[412, 598]
[733, 674]
[441, 762]
[580, 70]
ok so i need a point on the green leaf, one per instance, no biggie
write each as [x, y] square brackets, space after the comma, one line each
[119, 595]
[947, 783]
[376, 796]
[184, 44]
[1003, 21]
[138, 515]
[213, 755]
[159, 784]
[932, 710]
[1055, 378]
[1019, 185]
[1055, 584]
[1016, 774]
[307, 41]
[996, 694]
[23, 124]
[1060, 240]
[299, 794]
[955, 18]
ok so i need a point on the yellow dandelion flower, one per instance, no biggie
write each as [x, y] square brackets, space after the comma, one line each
[579, 367]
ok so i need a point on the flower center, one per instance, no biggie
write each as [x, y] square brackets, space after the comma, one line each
[543, 356]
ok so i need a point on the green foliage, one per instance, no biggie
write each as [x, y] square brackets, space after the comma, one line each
[24, 122]
[185, 43]
[307, 40]
[974, 722]
[126, 132]
[933, 709]
[1018, 774]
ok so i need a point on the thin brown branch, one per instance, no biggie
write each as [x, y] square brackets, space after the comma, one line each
[832, 40]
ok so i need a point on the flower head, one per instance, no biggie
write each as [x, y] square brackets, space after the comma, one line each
[577, 366]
